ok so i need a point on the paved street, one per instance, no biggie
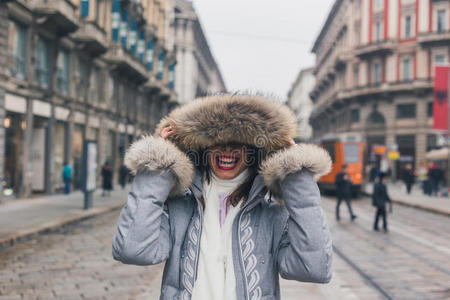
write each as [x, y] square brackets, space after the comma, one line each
[411, 262]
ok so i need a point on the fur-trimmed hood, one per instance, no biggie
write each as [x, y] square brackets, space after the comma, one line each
[225, 119]
[222, 119]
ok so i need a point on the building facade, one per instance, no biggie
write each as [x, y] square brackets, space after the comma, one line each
[299, 100]
[196, 70]
[76, 70]
[374, 73]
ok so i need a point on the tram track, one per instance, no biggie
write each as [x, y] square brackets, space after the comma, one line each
[369, 272]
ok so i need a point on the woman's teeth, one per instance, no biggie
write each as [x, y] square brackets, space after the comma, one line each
[227, 162]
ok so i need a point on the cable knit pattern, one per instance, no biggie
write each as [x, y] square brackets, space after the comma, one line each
[250, 261]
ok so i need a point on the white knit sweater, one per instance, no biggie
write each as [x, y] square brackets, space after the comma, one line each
[215, 276]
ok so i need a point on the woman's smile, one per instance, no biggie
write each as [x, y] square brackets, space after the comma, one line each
[227, 163]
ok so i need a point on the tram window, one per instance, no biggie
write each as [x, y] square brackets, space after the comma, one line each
[351, 153]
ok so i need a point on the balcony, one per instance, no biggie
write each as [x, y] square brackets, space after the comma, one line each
[56, 15]
[385, 89]
[90, 38]
[126, 64]
[434, 39]
[378, 48]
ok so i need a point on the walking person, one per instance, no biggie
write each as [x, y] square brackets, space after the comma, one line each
[67, 177]
[436, 175]
[344, 192]
[422, 175]
[408, 178]
[107, 175]
[227, 200]
[379, 199]
[123, 174]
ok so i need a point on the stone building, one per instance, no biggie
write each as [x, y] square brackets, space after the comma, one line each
[374, 73]
[76, 70]
[299, 101]
[196, 71]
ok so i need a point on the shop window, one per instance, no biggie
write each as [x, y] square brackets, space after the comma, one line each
[431, 142]
[408, 27]
[441, 20]
[439, 59]
[354, 116]
[41, 68]
[17, 50]
[62, 65]
[406, 111]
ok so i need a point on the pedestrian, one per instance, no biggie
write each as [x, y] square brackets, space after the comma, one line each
[344, 192]
[380, 198]
[206, 199]
[422, 175]
[436, 175]
[408, 177]
[123, 174]
[107, 175]
[373, 173]
[67, 177]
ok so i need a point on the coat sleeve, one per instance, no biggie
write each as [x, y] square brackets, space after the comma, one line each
[305, 250]
[143, 231]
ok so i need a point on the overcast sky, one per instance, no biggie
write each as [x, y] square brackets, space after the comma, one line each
[261, 44]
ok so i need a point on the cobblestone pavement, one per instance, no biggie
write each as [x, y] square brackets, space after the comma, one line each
[412, 261]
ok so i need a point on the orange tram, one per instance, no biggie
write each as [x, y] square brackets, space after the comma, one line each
[347, 151]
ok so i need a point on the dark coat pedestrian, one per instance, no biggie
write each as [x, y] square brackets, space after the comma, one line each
[67, 177]
[379, 199]
[344, 192]
[408, 178]
[107, 175]
[123, 174]
[435, 175]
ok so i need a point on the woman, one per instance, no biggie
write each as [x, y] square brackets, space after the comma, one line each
[106, 179]
[212, 217]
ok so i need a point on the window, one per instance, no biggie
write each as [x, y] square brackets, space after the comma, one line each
[17, 50]
[351, 153]
[94, 85]
[407, 26]
[441, 20]
[406, 69]
[354, 116]
[62, 65]
[356, 75]
[406, 111]
[81, 78]
[439, 59]
[376, 73]
[378, 31]
[41, 68]
[357, 34]
[430, 109]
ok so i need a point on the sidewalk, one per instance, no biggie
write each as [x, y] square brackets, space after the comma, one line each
[21, 219]
[397, 192]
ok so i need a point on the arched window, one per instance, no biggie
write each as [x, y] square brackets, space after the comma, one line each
[376, 118]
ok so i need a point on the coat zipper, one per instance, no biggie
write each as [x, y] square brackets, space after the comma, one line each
[241, 259]
[200, 212]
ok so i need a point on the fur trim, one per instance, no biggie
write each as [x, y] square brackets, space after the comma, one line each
[293, 159]
[154, 153]
[221, 119]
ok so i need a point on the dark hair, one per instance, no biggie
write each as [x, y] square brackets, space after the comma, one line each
[382, 175]
[241, 193]
[344, 166]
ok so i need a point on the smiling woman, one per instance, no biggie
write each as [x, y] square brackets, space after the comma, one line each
[202, 200]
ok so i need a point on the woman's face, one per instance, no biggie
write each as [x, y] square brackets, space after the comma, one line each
[228, 161]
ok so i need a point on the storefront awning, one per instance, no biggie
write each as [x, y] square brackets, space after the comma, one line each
[438, 154]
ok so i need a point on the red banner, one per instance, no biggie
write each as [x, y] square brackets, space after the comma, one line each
[440, 94]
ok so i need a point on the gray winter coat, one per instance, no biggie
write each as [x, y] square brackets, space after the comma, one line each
[158, 224]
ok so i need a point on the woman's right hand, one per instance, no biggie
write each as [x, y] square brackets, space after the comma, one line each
[166, 132]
